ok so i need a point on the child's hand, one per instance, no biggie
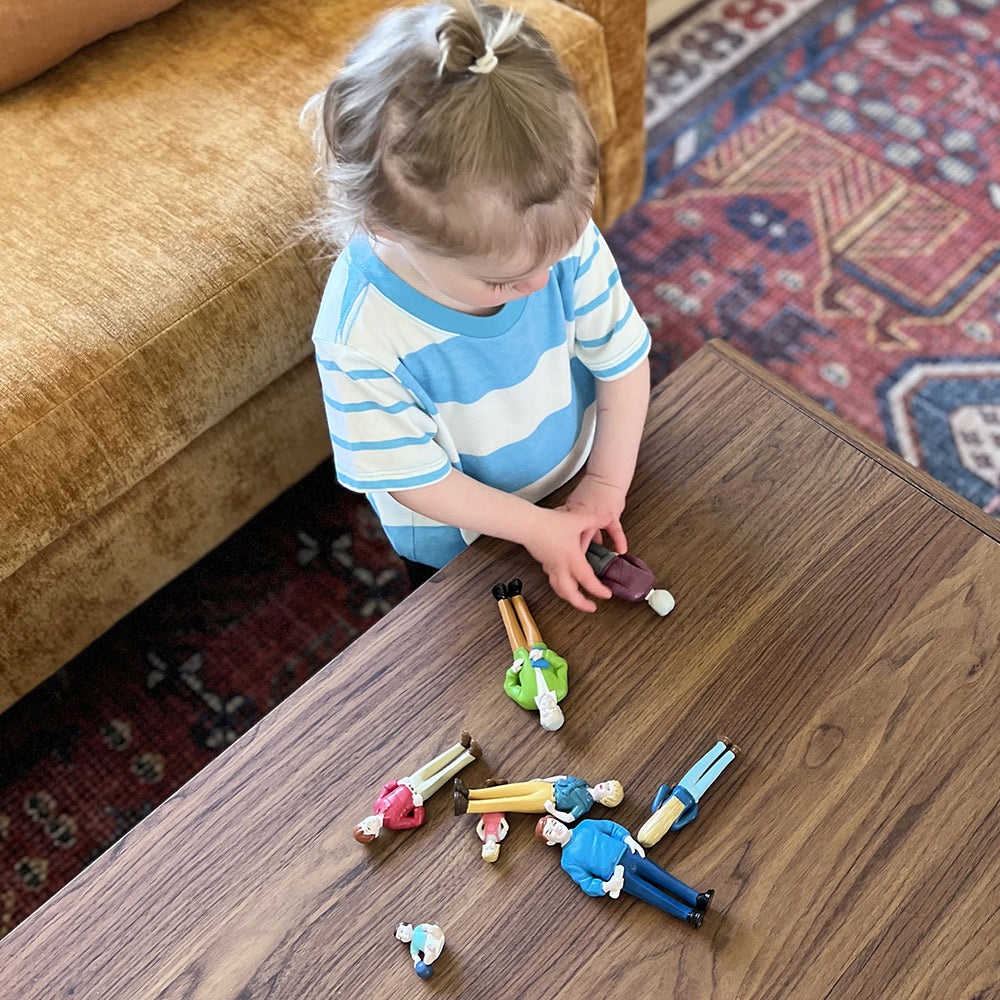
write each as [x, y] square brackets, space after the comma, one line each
[604, 502]
[558, 543]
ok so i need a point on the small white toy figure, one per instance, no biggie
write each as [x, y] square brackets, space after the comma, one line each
[426, 943]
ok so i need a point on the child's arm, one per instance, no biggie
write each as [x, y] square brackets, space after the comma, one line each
[621, 415]
[557, 539]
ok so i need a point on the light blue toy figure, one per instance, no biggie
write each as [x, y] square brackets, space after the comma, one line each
[426, 943]
[674, 807]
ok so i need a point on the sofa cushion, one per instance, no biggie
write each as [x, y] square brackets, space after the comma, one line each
[151, 193]
[37, 34]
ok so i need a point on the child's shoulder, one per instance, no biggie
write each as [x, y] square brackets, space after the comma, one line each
[349, 313]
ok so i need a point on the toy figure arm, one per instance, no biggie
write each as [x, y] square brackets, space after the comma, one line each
[411, 821]
[611, 828]
[634, 847]
[565, 817]
[590, 884]
[554, 660]
[387, 788]
[512, 683]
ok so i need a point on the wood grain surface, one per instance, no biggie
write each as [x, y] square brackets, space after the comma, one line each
[837, 615]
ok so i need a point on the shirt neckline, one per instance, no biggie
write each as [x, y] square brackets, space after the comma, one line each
[426, 309]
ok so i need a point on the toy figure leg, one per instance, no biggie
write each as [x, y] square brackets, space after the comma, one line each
[653, 876]
[523, 797]
[698, 779]
[531, 632]
[428, 779]
[510, 623]
[635, 886]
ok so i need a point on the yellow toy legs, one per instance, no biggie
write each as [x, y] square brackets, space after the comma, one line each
[522, 797]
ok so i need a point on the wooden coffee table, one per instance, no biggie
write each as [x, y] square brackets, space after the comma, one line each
[838, 615]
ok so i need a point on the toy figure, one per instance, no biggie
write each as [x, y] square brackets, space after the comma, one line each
[603, 859]
[628, 578]
[426, 943]
[676, 807]
[538, 678]
[562, 796]
[491, 829]
[400, 804]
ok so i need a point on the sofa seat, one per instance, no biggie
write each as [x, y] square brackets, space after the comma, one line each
[159, 299]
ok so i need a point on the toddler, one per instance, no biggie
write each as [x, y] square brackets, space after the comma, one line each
[475, 345]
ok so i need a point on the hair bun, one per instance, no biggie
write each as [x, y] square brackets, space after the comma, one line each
[461, 39]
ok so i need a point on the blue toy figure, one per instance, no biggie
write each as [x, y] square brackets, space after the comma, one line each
[426, 943]
[604, 860]
[674, 807]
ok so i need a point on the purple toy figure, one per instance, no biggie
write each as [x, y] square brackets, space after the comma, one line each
[628, 578]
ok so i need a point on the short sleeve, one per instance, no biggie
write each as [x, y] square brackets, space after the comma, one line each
[382, 438]
[611, 337]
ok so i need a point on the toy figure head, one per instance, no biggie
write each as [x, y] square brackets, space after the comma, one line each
[551, 832]
[368, 829]
[550, 715]
[661, 601]
[491, 849]
[608, 793]
[404, 931]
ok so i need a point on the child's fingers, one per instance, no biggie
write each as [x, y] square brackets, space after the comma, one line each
[588, 579]
[617, 536]
[568, 590]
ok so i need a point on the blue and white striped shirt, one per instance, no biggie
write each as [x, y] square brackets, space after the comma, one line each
[414, 389]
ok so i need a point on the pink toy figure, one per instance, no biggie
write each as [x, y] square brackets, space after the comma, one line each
[400, 804]
[628, 578]
[426, 943]
[491, 829]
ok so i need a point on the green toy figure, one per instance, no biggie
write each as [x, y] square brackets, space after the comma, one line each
[539, 677]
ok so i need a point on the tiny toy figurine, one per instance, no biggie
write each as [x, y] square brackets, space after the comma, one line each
[426, 943]
[539, 677]
[603, 859]
[562, 796]
[628, 578]
[400, 804]
[676, 807]
[492, 828]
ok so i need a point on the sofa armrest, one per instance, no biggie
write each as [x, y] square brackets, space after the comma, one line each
[624, 24]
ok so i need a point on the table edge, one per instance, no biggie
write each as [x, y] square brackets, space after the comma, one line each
[898, 466]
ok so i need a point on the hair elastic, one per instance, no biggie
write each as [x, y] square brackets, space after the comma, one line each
[486, 63]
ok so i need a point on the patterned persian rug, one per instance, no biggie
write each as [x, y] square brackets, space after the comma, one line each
[824, 194]
[846, 235]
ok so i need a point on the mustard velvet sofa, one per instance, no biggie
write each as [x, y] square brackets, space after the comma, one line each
[157, 298]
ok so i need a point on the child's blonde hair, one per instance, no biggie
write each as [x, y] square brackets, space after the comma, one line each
[444, 114]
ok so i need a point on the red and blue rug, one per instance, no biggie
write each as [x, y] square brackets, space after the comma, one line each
[824, 194]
